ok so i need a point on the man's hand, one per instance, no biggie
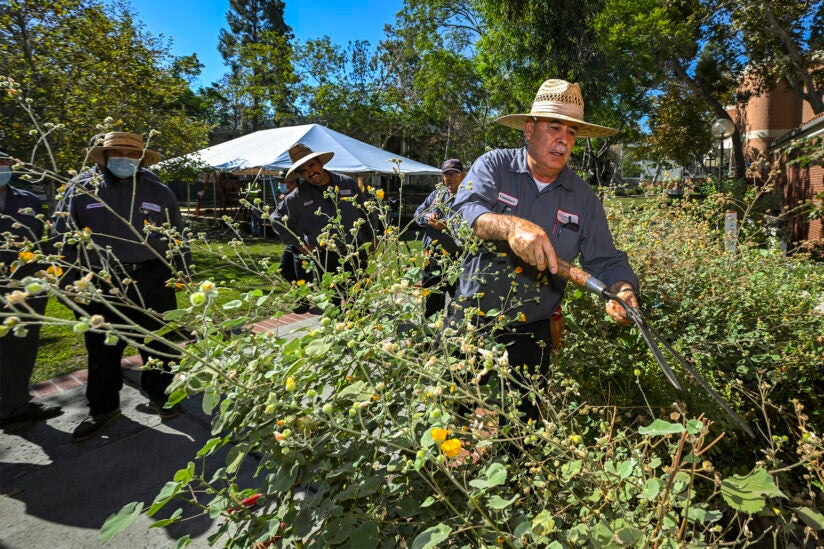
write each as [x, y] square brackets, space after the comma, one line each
[528, 240]
[531, 243]
[614, 309]
[433, 220]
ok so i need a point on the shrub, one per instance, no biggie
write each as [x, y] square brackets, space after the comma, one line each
[374, 428]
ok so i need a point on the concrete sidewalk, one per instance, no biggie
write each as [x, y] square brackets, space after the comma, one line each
[58, 493]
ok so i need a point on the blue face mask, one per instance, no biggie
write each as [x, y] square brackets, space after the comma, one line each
[122, 167]
[5, 175]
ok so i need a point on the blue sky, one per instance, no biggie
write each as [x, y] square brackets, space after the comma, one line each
[194, 25]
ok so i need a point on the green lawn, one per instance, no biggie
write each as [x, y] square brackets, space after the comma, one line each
[62, 351]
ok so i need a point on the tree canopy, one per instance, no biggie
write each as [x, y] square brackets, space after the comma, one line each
[77, 63]
[431, 89]
[257, 47]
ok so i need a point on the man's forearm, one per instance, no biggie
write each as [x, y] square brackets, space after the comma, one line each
[491, 226]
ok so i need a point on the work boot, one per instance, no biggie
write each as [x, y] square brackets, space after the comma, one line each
[33, 411]
[159, 407]
[93, 425]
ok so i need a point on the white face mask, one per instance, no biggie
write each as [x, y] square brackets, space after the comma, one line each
[5, 175]
[122, 167]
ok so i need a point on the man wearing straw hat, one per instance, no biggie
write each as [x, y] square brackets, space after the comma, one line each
[530, 208]
[307, 211]
[120, 207]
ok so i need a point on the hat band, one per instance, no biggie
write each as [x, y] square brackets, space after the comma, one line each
[548, 108]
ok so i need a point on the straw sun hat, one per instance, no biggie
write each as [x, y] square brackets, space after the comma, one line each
[300, 154]
[122, 140]
[559, 100]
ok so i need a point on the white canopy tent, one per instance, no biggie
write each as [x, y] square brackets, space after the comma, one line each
[269, 150]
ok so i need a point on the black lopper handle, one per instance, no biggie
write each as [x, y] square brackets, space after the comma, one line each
[594, 285]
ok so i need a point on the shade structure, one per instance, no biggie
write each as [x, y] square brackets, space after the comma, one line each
[269, 150]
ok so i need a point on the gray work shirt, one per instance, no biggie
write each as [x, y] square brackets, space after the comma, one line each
[118, 212]
[437, 202]
[18, 218]
[570, 213]
[305, 213]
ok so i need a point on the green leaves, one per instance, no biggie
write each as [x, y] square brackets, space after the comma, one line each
[494, 475]
[431, 537]
[749, 493]
[660, 427]
[811, 518]
[119, 521]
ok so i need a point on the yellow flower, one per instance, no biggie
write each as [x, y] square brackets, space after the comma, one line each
[301, 282]
[451, 447]
[439, 435]
[54, 270]
[290, 384]
[26, 256]
[379, 193]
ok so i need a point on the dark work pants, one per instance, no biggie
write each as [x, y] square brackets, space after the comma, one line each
[17, 359]
[148, 291]
[433, 280]
[530, 345]
[330, 261]
[288, 268]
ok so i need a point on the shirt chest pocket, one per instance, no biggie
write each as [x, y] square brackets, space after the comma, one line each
[152, 214]
[565, 240]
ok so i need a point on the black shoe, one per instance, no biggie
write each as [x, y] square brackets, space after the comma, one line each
[34, 411]
[93, 425]
[300, 308]
[159, 407]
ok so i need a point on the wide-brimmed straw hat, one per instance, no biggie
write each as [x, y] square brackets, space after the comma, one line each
[559, 100]
[123, 140]
[300, 154]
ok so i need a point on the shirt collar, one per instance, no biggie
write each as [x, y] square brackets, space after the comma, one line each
[519, 165]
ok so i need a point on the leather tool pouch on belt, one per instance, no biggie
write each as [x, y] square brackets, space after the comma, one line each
[556, 329]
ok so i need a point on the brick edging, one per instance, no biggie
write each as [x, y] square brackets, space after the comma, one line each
[80, 377]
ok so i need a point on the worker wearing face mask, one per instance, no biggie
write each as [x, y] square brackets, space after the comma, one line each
[18, 346]
[122, 212]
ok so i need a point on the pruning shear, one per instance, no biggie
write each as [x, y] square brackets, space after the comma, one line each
[652, 338]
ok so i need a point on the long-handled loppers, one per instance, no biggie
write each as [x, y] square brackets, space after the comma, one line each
[591, 283]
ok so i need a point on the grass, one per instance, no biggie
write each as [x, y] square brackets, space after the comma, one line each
[62, 351]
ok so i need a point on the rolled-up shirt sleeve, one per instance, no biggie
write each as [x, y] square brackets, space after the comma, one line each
[478, 191]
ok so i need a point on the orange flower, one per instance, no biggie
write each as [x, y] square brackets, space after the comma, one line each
[451, 447]
[26, 256]
[54, 270]
[519, 269]
[439, 435]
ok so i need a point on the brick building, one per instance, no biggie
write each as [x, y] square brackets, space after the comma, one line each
[769, 123]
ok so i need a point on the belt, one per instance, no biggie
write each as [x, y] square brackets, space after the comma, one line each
[133, 267]
[130, 267]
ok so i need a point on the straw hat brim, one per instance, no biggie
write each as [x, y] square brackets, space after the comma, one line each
[585, 129]
[150, 157]
[324, 157]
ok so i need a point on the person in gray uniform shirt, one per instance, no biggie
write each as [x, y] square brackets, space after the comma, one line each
[306, 212]
[431, 215]
[530, 209]
[18, 348]
[120, 206]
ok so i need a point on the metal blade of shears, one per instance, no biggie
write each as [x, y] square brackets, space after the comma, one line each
[651, 337]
